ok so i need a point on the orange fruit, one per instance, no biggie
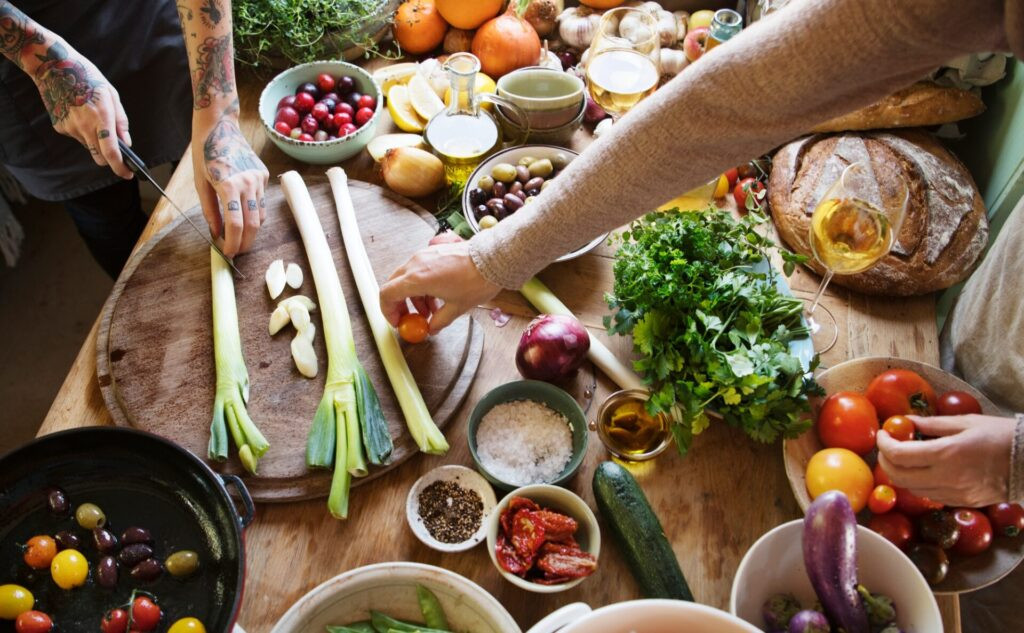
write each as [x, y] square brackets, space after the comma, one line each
[468, 14]
[602, 4]
[418, 27]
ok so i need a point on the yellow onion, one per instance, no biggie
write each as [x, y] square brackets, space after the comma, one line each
[412, 172]
[458, 41]
[542, 15]
[506, 43]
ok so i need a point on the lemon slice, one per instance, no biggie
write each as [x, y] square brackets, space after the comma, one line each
[482, 84]
[424, 100]
[394, 75]
[402, 112]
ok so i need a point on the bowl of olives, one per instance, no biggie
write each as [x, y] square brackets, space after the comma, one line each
[510, 181]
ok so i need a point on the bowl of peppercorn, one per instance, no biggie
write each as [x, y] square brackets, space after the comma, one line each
[447, 508]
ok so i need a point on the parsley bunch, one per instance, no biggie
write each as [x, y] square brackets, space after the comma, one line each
[712, 329]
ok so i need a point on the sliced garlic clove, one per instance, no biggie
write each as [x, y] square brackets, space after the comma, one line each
[304, 355]
[279, 318]
[275, 278]
[293, 276]
[299, 315]
[303, 299]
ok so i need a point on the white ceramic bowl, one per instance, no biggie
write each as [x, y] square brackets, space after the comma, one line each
[642, 616]
[560, 500]
[322, 152]
[465, 477]
[775, 564]
[391, 588]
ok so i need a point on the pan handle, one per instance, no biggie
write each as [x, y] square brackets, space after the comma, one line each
[250, 508]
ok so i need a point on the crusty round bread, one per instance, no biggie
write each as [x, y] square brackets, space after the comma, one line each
[945, 228]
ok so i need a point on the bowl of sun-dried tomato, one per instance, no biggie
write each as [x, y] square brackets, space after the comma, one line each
[543, 538]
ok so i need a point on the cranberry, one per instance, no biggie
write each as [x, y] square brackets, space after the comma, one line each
[289, 115]
[330, 103]
[288, 100]
[341, 119]
[320, 136]
[283, 128]
[304, 102]
[345, 85]
[344, 108]
[568, 59]
[346, 129]
[320, 112]
[296, 133]
[310, 88]
[310, 125]
[305, 137]
[331, 96]
[325, 82]
[367, 101]
[363, 115]
[353, 99]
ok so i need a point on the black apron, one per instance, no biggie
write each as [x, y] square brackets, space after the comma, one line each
[138, 46]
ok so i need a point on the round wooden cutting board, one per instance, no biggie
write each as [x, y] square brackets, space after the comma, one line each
[155, 347]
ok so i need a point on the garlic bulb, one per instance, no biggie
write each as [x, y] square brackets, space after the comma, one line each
[578, 25]
[412, 172]
[668, 29]
[635, 29]
[682, 24]
[603, 127]
[548, 59]
[672, 61]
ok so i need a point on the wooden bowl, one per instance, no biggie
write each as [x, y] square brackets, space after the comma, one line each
[965, 573]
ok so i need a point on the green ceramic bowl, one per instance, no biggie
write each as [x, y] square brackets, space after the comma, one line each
[543, 393]
[323, 152]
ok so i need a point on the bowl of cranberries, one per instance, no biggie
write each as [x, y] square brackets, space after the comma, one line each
[321, 112]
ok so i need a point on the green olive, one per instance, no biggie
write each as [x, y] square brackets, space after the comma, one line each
[542, 168]
[486, 183]
[529, 199]
[503, 172]
[90, 517]
[488, 221]
[560, 160]
[526, 160]
[182, 564]
[545, 185]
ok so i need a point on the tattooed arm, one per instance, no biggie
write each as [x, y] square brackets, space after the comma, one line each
[230, 178]
[80, 101]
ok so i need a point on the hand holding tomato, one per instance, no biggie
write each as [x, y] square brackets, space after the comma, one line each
[967, 464]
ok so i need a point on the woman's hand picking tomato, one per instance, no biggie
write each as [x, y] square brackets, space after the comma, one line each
[958, 403]
[33, 622]
[1007, 518]
[145, 614]
[894, 526]
[39, 551]
[975, 532]
[900, 427]
[848, 420]
[901, 392]
[882, 499]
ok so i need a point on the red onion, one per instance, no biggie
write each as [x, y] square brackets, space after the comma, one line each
[594, 113]
[552, 348]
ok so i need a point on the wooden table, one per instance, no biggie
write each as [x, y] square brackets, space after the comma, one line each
[713, 504]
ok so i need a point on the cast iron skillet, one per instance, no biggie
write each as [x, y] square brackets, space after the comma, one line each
[136, 478]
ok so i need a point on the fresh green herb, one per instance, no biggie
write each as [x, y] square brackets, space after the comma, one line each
[306, 30]
[711, 330]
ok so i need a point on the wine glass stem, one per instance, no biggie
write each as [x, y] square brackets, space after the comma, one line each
[821, 290]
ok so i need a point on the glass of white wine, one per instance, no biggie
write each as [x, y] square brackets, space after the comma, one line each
[623, 60]
[853, 226]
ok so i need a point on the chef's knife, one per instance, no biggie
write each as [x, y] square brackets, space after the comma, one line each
[136, 165]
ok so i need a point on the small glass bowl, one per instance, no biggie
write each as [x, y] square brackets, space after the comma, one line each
[605, 411]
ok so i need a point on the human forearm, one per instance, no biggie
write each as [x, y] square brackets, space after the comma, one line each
[206, 26]
[22, 40]
[813, 61]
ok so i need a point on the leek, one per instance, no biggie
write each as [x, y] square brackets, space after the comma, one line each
[544, 300]
[232, 391]
[421, 425]
[349, 401]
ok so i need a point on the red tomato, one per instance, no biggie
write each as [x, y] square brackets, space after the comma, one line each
[33, 622]
[900, 427]
[848, 420]
[39, 551]
[303, 102]
[732, 175]
[881, 477]
[116, 621]
[901, 392]
[325, 82]
[912, 505]
[413, 327]
[975, 532]
[882, 499]
[958, 403]
[748, 187]
[895, 527]
[145, 614]
[1006, 518]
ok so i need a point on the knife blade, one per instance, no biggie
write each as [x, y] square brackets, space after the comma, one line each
[135, 164]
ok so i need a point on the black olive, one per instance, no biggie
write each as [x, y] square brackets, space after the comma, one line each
[477, 196]
[106, 572]
[57, 502]
[133, 554]
[522, 173]
[105, 542]
[534, 183]
[148, 569]
[532, 192]
[497, 209]
[68, 540]
[512, 202]
[499, 190]
[133, 535]
[515, 187]
[481, 211]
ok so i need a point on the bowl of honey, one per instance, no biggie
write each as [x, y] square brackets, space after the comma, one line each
[628, 430]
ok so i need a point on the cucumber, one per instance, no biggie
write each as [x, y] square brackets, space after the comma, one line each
[639, 534]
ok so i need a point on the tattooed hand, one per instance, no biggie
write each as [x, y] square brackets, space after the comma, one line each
[230, 178]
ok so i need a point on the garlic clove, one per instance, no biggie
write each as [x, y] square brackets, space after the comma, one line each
[304, 355]
[299, 316]
[278, 319]
[303, 299]
[275, 278]
[293, 276]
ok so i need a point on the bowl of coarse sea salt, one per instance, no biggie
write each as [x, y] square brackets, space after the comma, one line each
[527, 432]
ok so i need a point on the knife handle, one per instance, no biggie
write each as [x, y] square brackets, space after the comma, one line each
[131, 159]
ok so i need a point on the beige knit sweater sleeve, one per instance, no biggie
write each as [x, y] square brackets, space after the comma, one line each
[812, 61]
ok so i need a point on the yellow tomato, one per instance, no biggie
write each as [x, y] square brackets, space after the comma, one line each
[700, 18]
[14, 600]
[721, 187]
[482, 84]
[69, 569]
[187, 625]
[843, 470]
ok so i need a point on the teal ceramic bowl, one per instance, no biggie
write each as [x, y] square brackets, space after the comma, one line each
[545, 394]
[322, 152]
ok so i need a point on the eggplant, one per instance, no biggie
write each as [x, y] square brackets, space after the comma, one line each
[808, 621]
[830, 556]
[778, 610]
[880, 607]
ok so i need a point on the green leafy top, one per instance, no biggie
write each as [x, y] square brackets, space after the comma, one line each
[711, 330]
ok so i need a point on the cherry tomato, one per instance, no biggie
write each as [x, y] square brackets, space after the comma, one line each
[14, 600]
[304, 102]
[145, 614]
[900, 427]
[748, 187]
[69, 569]
[732, 175]
[39, 551]
[843, 470]
[881, 477]
[975, 532]
[367, 101]
[901, 392]
[746, 170]
[912, 505]
[187, 625]
[115, 621]
[362, 116]
[848, 420]
[413, 327]
[33, 622]
[325, 82]
[1007, 518]
[895, 527]
[958, 403]
[882, 499]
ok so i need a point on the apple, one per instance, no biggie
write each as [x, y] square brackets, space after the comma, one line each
[693, 43]
[701, 18]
